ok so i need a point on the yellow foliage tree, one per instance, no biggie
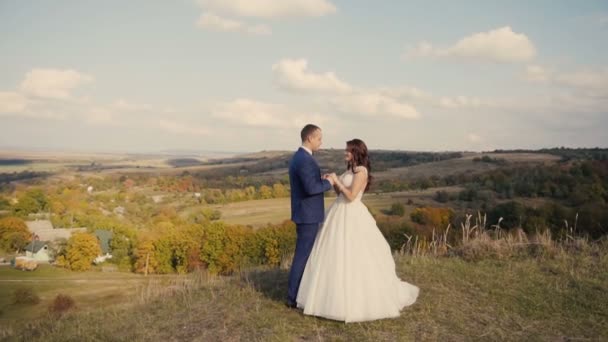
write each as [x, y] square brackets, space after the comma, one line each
[14, 234]
[81, 250]
[146, 259]
[265, 192]
[435, 217]
[279, 190]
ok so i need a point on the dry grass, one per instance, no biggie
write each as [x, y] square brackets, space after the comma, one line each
[557, 299]
[478, 242]
[89, 289]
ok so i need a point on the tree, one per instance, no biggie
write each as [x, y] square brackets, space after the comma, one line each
[145, 257]
[14, 234]
[434, 217]
[265, 192]
[512, 214]
[279, 190]
[32, 201]
[81, 250]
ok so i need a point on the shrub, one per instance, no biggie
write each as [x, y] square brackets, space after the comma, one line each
[25, 295]
[223, 247]
[394, 232]
[397, 209]
[442, 196]
[61, 304]
[436, 217]
[273, 243]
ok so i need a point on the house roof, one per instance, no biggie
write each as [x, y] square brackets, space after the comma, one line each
[38, 225]
[104, 237]
[35, 246]
[45, 231]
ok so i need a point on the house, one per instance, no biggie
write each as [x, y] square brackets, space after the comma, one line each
[38, 250]
[45, 231]
[104, 237]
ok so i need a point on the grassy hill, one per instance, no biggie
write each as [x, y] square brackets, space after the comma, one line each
[552, 298]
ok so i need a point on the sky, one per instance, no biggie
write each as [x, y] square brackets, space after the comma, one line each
[247, 75]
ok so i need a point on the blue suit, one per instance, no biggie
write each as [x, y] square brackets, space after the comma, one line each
[307, 211]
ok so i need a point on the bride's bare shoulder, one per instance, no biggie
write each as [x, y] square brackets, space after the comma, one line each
[360, 168]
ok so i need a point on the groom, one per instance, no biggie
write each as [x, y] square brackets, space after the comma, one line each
[307, 205]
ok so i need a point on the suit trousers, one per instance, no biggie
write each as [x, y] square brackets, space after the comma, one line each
[306, 238]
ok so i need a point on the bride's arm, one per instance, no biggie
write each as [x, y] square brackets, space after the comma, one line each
[359, 180]
[336, 189]
[335, 186]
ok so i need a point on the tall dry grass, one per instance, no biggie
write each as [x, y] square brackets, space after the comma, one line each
[478, 240]
[162, 289]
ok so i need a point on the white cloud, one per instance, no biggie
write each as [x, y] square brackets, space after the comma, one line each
[270, 8]
[181, 128]
[214, 22]
[536, 73]
[462, 102]
[100, 116]
[127, 106]
[585, 79]
[40, 108]
[474, 138]
[407, 92]
[421, 97]
[292, 74]
[254, 113]
[53, 83]
[12, 102]
[375, 104]
[500, 45]
[17, 104]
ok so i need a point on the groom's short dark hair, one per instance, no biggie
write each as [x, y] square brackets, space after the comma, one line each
[307, 131]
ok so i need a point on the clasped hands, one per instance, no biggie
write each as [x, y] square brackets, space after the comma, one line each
[331, 177]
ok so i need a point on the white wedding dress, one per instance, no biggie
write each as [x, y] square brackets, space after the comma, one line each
[350, 274]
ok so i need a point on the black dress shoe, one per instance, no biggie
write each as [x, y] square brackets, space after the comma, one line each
[291, 305]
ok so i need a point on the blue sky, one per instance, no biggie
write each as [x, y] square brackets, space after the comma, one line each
[235, 75]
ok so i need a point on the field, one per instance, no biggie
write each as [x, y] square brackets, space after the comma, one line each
[89, 289]
[464, 165]
[555, 295]
[47, 161]
[276, 210]
[549, 299]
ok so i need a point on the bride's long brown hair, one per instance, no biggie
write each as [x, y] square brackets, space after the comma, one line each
[360, 158]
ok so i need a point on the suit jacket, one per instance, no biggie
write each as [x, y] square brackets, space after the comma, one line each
[307, 188]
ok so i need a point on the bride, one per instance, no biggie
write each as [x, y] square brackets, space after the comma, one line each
[350, 274]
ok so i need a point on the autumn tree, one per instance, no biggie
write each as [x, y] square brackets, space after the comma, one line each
[265, 192]
[279, 190]
[145, 258]
[433, 217]
[81, 251]
[14, 234]
[32, 201]
[224, 247]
